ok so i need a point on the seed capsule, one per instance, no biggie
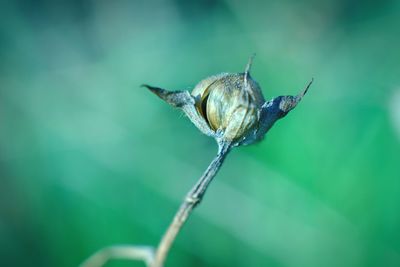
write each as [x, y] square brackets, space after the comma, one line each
[230, 107]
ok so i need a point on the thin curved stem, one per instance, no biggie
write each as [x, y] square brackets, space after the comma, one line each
[126, 252]
[193, 198]
[147, 254]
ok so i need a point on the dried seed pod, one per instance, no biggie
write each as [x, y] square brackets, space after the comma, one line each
[230, 107]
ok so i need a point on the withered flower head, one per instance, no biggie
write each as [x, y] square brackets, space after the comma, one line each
[230, 107]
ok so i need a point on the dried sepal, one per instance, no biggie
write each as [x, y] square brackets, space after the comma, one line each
[186, 102]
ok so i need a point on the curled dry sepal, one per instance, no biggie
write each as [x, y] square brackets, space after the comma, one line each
[229, 107]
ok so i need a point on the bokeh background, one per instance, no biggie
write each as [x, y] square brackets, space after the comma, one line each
[89, 159]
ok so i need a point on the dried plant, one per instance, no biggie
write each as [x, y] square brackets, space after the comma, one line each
[231, 109]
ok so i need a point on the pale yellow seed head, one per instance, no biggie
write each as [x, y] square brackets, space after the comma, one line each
[228, 105]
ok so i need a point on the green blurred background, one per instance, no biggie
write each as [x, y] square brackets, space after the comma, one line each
[89, 159]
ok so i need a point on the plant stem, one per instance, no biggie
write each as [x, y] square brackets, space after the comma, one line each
[193, 198]
[157, 259]
[126, 252]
